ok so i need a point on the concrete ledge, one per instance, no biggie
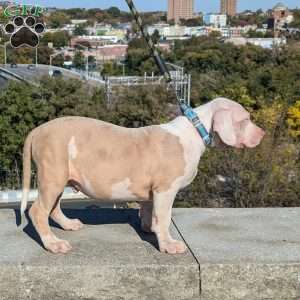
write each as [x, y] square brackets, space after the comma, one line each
[245, 254]
[235, 254]
[112, 259]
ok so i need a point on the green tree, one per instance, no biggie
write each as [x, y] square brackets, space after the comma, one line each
[23, 55]
[44, 55]
[114, 11]
[58, 60]
[111, 69]
[80, 30]
[58, 19]
[79, 60]
[294, 120]
[296, 22]
[155, 36]
[140, 107]
[59, 39]
[192, 22]
[19, 113]
[92, 59]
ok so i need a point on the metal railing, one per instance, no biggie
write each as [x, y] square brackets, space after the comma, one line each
[182, 83]
[181, 80]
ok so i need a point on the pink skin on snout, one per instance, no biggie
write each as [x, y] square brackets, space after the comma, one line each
[251, 137]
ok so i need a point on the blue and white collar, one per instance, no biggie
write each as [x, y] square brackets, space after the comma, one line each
[192, 116]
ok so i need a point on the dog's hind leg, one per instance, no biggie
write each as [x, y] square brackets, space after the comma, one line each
[49, 193]
[67, 224]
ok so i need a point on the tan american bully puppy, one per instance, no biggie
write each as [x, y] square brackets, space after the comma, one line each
[105, 161]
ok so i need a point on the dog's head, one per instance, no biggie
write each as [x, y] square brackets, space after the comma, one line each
[233, 125]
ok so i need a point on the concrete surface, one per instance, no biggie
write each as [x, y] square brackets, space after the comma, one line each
[111, 259]
[235, 254]
[244, 253]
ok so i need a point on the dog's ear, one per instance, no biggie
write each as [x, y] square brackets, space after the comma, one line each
[223, 125]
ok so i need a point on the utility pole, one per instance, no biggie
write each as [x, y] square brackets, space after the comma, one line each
[5, 53]
[4, 46]
[36, 57]
[87, 60]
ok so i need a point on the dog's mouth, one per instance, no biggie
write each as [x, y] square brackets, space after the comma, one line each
[216, 141]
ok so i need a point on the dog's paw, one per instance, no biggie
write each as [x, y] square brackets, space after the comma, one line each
[58, 247]
[24, 31]
[72, 225]
[173, 247]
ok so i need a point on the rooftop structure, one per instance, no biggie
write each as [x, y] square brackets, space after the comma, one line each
[280, 6]
[281, 16]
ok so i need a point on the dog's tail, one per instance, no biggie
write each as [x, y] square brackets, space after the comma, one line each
[26, 172]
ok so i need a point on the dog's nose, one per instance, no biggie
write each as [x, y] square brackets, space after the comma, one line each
[260, 133]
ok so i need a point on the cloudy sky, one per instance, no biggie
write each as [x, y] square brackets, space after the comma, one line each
[146, 5]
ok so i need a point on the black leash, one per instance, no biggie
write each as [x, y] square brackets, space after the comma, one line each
[186, 110]
[158, 59]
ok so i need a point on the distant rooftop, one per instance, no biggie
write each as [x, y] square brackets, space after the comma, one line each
[280, 6]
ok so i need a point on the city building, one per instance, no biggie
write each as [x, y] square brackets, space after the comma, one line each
[165, 30]
[267, 43]
[101, 53]
[78, 22]
[180, 9]
[281, 15]
[216, 20]
[94, 40]
[229, 7]
[176, 32]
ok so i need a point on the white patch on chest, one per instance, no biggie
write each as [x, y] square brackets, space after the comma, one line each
[193, 148]
[121, 191]
[72, 150]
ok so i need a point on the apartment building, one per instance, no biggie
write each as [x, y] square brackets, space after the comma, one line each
[180, 9]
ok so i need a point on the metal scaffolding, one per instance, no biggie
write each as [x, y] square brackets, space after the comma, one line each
[181, 79]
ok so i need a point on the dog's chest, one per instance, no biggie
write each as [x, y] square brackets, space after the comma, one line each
[193, 150]
[192, 145]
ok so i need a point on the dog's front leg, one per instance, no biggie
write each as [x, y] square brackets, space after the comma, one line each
[161, 220]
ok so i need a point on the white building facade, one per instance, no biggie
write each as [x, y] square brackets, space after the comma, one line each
[216, 20]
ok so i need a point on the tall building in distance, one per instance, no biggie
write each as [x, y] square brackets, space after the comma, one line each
[180, 9]
[229, 7]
